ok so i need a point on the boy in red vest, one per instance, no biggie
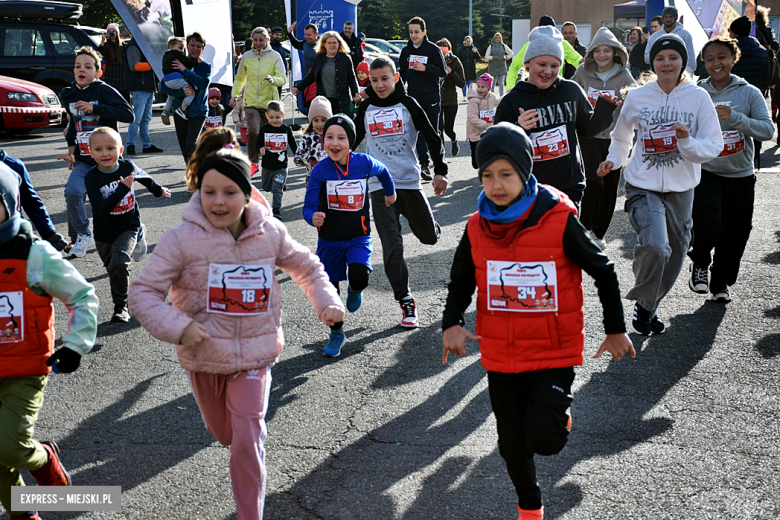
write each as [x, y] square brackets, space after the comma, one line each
[524, 251]
[31, 273]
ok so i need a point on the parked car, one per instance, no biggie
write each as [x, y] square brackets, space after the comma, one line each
[376, 51]
[398, 43]
[42, 50]
[385, 46]
[25, 106]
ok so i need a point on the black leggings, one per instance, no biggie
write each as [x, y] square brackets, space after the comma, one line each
[447, 121]
[358, 275]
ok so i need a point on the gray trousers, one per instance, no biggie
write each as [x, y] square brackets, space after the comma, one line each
[116, 259]
[176, 84]
[274, 181]
[662, 222]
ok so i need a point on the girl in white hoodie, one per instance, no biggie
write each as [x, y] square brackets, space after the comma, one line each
[678, 130]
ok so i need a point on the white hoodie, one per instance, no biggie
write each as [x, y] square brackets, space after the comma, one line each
[660, 161]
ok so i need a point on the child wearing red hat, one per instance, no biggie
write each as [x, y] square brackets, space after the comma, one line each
[216, 111]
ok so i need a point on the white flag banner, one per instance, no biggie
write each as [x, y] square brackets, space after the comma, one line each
[295, 58]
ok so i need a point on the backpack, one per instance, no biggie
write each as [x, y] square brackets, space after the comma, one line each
[774, 67]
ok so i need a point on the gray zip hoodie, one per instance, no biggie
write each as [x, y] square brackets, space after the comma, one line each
[749, 118]
[586, 74]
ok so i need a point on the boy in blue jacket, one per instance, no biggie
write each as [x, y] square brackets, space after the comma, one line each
[337, 204]
[90, 104]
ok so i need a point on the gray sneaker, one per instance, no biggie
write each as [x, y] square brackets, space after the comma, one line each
[166, 118]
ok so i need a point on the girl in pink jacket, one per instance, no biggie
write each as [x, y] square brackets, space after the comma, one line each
[225, 313]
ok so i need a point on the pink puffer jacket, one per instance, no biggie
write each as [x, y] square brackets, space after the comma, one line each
[181, 262]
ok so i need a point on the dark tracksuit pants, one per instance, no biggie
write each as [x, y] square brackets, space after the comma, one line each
[431, 105]
[447, 121]
[722, 220]
[413, 205]
[188, 133]
[600, 196]
[116, 259]
[532, 417]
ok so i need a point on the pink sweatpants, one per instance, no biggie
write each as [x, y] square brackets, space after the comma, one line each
[233, 408]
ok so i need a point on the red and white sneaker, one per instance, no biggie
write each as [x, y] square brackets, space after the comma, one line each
[52, 473]
[409, 321]
[530, 514]
[255, 169]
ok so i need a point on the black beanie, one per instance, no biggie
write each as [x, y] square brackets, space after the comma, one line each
[344, 122]
[506, 141]
[741, 26]
[669, 41]
[233, 167]
[546, 20]
[670, 9]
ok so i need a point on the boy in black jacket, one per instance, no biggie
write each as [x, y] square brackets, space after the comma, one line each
[90, 104]
[118, 229]
[422, 68]
[275, 137]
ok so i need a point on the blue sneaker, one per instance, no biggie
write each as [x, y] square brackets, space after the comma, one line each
[336, 341]
[354, 300]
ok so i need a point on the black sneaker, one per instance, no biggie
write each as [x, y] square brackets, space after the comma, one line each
[455, 148]
[425, 173]
[657, 326]
[153, 149]
[278, 215]
[699, 280]
[721, 296]
[409, 308]
[640, 321]
[130, 150]
[121, 315]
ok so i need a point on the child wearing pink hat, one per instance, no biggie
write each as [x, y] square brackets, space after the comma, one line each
[481, 111]
[216, 112]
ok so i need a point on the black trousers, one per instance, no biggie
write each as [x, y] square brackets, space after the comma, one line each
[473, 145]
[358, 275]
[447, 121]
[533, 416]
[431, 105]
[116, 257]
[188, 132]
[722, 221]
[413, 205]
[600, 196]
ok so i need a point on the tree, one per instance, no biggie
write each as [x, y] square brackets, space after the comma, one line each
[98, 13]
[243, 13]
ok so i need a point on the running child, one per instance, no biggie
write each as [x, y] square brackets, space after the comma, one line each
[275, 137]
[218, 265]
[174, 79]
[723, 200]
[480, 113]
[310, 152]
[32, 274]
[393, 120]
[337, 205]
[531, 329]
[678, 130]
[90, 104]
[119, 234]
[215, 112]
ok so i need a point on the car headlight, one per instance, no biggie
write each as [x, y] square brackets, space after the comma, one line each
[21, 96]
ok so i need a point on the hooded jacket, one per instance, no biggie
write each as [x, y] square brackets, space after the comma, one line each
[182, 261]
[453, 82]
[255, 66]
[586, 75]
[31, 203]
[682, 33]
[753, 64]
[749, 118]
[346, 81]
[661, 162]
[566, 114]
[478, 105]
[427, 82]
[469, 60]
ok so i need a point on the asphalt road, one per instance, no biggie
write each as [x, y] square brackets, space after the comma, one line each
[689, 429]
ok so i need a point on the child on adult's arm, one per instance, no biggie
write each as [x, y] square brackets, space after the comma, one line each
[524, 252]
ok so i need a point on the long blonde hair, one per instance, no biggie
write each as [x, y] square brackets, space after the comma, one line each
[321, 48]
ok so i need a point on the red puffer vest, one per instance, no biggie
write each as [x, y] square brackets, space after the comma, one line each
[535, 339]
[26, 318]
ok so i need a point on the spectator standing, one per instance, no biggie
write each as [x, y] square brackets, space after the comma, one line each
[753, 64]
[276, 44]
[496, 55]
[354, 44]
[333, 73]
[637, 56]
[422, 67]
[309, 48]
[468, 56]
[142, 84]
[569, 32]
[449, 93]
[671, 26]
[111, 48]
[262, 71]
[656, 22]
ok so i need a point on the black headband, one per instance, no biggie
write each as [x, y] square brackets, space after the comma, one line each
[234, 168]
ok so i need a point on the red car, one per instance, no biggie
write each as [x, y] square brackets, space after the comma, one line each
[25, 106]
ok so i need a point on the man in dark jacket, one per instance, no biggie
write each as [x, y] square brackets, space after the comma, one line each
[354, 44]
[142, 84]
[308, 45]
[468, 56]
[753, 64]
[422, 68]
[569, 32]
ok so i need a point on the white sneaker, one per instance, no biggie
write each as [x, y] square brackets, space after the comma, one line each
[83, 243]
[140, 246]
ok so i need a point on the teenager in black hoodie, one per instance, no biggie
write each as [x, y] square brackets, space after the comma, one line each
[423, 69]
[554, 111]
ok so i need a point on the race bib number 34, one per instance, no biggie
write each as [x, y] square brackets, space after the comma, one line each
[11, 317]
[346, 195]
[239, 290]
[522, 286]
[550, 144]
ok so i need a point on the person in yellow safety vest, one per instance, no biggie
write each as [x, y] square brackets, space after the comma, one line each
[570, 57]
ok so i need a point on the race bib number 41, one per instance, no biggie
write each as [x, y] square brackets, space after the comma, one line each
[346, 195]
[659, 138]
[11, 317]
[239, 290]
[522, 286]
[550, 144]
[389, 121]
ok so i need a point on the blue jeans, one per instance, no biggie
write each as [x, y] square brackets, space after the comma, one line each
[466, 86]
[75, 192]
[142, 106]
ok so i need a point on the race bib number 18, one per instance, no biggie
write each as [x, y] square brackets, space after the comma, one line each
[522, 286]
[239, 290]
[11, 317]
